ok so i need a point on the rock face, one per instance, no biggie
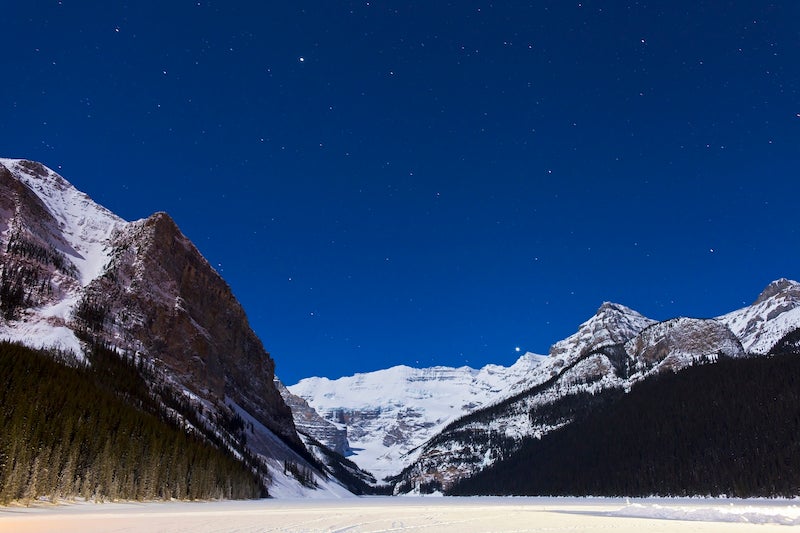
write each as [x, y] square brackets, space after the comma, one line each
[71, 272]
[681, 342]
[310, 423]
[159, 296]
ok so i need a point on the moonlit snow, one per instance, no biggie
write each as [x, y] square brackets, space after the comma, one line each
[411, 514]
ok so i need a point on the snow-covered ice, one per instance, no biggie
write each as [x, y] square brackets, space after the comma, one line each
[411, 514]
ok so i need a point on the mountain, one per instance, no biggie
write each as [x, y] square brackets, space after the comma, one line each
[388, 414]
[74, 276]
[610, 354]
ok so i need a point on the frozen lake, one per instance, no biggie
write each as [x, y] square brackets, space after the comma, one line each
[410, 514]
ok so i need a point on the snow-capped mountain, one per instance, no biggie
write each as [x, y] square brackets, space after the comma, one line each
[613, 350]
[73, 275]
[389, 413]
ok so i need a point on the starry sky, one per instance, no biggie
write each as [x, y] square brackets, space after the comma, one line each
[429, 182]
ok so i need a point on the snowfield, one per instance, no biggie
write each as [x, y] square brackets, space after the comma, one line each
[411, 514]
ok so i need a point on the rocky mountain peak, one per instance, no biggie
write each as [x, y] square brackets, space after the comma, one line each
[782, 286]
[612, 324]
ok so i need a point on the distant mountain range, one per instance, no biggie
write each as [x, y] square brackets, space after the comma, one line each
[158, 347]
[426, 429]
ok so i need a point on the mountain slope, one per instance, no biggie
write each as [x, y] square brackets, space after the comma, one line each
[73, 276]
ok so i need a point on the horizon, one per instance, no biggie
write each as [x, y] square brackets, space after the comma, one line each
[429, 185]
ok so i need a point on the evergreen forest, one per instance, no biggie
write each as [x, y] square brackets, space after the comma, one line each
[94, 431]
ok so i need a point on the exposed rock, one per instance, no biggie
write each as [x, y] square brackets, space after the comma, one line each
[161, 297]
[309, 422]
[681, 342]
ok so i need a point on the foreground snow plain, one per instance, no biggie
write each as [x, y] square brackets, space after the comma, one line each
[411, 514]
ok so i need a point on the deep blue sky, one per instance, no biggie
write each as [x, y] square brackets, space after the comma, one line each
[429, 182]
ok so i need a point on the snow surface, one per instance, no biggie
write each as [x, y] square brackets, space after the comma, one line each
[462, 515]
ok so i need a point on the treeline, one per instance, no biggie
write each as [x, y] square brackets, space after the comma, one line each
[729, 428]
[91, 432]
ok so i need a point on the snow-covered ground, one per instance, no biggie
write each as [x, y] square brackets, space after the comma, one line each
[412, 514]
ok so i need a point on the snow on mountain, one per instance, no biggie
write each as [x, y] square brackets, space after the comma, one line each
[86, 226]
[310, 423]
[49, 218]
[389, 413]
[775, 313]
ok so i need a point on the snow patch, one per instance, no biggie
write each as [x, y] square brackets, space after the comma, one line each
[735, 513]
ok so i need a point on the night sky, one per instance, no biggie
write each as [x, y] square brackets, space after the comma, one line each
[429, 182]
